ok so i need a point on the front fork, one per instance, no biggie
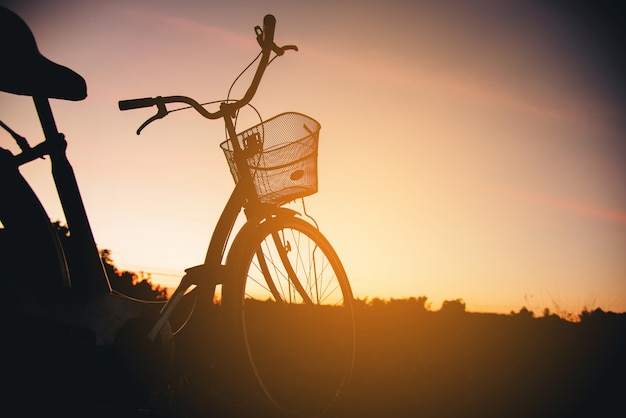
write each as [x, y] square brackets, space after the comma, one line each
[206, 277]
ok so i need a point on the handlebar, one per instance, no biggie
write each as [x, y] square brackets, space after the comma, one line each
[269, 26]
[137, 103]
[265, 38]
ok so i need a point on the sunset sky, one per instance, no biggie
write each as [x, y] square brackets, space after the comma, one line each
[469, 149]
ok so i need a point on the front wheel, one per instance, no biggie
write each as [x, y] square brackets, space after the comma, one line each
[295, 309]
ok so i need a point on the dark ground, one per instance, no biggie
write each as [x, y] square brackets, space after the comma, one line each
[410, 363]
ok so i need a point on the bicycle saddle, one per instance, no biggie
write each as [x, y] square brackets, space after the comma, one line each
[25, 71]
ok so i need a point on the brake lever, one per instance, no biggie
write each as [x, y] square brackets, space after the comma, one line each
[161, 113]
[288, 47]
[278, 50]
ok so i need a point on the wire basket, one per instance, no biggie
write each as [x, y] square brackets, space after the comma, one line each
[281, 156]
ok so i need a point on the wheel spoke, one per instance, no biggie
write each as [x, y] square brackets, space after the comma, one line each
[300, 353]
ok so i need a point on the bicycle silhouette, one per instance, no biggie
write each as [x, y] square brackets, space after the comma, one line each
[285, 294]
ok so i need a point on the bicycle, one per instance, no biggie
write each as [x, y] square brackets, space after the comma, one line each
[285, 295]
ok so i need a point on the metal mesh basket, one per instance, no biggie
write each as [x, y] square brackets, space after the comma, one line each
[281, 155]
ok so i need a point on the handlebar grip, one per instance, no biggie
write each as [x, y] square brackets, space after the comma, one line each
[137, 103]
[269, 25]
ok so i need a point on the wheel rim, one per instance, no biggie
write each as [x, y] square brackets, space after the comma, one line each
[299, 328]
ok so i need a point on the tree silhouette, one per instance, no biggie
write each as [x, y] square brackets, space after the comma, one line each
[124, 282]
[453, 307]
[129, 283]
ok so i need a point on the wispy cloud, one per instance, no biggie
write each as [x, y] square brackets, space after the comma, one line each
[571, 206]
[182, 24]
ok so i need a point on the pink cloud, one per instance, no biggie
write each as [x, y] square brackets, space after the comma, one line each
[186, 25]
[581, 208]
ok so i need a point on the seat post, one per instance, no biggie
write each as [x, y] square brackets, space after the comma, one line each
[86, 269]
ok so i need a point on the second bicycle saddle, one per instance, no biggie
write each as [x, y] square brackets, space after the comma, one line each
[24, 71]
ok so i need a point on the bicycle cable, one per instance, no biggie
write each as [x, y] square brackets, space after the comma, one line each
[230, 89]
[228, 99]
[237, 79]
[186, 321]
[159, 302]
[307, 214]
[149, 302]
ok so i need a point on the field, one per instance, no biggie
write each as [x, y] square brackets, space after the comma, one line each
[480, 365]
[410, 362]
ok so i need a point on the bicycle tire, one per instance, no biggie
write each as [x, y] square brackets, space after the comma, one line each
[31, 256]
[299, 338]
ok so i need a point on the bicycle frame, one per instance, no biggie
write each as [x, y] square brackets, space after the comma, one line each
[213, 272]
[86, 270]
